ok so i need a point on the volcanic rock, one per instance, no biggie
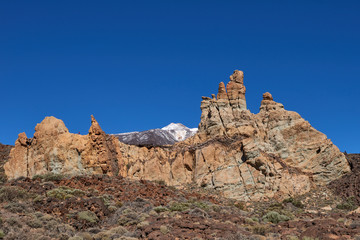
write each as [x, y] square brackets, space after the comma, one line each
[54, 149]
[272, 154]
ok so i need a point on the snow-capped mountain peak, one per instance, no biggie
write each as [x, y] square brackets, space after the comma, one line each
[178, 131]
[168, 135]
[174, 126]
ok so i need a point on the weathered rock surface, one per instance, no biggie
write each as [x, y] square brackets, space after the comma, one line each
[54, 149]
[272, 154]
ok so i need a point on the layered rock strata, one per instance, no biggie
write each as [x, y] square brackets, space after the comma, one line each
[247, 156]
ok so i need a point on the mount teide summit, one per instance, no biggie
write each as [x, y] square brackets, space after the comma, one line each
[172, 133]
[272, 154]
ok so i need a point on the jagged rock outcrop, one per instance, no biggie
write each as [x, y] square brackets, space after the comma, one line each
[274, 153]
[54, 149]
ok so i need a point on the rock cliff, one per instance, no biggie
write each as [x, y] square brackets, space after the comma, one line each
[272, 154]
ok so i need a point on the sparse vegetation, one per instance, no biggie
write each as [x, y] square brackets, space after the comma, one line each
[259, 229]
[12, 193]
[106, 198]
[160, 209]
[294, 201]
[349, 204]
[179, 206]
[127, 211]
[88, 216]
[34, 223]
[240, 205]
[275, 217]
[164, 229]
[49, 177]
[16, 207]
[63, 193]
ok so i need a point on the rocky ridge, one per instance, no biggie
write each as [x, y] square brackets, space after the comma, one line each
[272, 154]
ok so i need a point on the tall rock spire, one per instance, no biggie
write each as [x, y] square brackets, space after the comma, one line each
[222, 92]
[236, 90]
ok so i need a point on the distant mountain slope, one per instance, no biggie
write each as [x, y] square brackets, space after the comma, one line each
[172, 133]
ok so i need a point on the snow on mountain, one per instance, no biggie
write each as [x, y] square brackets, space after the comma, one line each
[179, 131]
[168, 135]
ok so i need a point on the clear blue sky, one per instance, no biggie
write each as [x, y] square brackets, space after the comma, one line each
[138, 65]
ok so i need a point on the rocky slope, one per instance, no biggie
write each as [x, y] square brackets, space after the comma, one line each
[4, 155]
[348, 186]
[101, 207]
[272, 154]
[172, 133]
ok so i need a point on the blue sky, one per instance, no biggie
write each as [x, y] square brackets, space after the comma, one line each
[138, 65]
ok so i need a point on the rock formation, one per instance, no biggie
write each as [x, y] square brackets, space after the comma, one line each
[274, 153]
[54, 149]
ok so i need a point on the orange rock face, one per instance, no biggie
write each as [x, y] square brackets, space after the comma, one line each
[222, 92]
[272, 154]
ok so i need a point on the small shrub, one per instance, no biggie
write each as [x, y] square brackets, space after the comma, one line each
[2, 234]
[16, 207]
[143, 224]
[216, 208]
[49, 177]
[178, 206]
[14, 222]
[259, 229]
[294, 201]
[160, 209]
[119, 204]
[63, 193]
[37, 177]
[275, 217]
[118, 230]
[201, 205]
[3, 177]
[88, 216]
[127, 221]
[143, 216]
[34, 223]
[112, 208]
[46, 218]
[10, 193]
[85, 236]
[349, 204]
[276, 207]
[106, 198]
[249, 221]
[164, 229]
[240, 205]
[38, 199]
